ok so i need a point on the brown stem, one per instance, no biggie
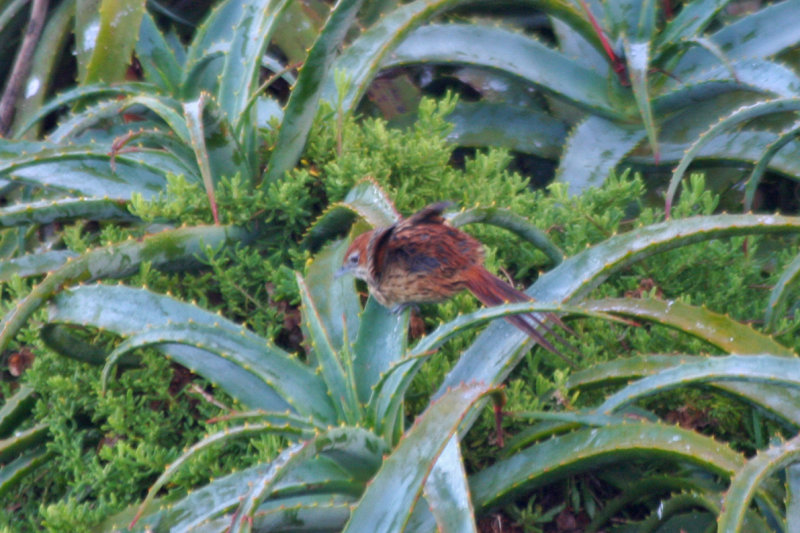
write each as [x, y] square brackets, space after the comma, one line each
[22, 65]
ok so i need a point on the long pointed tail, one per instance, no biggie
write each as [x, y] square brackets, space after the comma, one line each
[491, 291]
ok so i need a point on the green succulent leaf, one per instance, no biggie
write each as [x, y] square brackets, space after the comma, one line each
[304, 100]
[747, 480]
[584, 449]
[780, 292]
[769, 369]
[158, 60]
[719, 330]
[404, 472]
[113, 40]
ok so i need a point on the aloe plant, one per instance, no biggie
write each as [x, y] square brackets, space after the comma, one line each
[341, 410]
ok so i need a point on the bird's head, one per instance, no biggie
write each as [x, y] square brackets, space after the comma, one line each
[355, 259]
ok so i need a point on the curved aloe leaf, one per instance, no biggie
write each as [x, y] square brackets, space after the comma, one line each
[46, 211]
[503, 218]
[239, 77]
[81, 92]
[16, 410]
[366, 199]
[118, 260]
[517, 128]
[745, 113]
[22, 441]
[748, 478]
[403, 473]
[497, 48]
[335, 300]
[85, 170]
[161, 67]
[587, 448]
[313, 482]
[126, 311]
[14, 470]
[304, 100]
[764, 33]
[692, 19]
[340, 385]
[208, 441]
[594, 148]
[360, 61]
[793, 497]
[719, 330]
[781, 291]
[637, 55]
[748, 368]
[781, 403]
[447, 493]
[114, 40]
[34, 264]
[773, 148]
[293, 381]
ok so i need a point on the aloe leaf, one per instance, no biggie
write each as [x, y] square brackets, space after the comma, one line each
[161, 67]
[205, 55]
[745, 113]
[773, 148]
[503, 218]
[34, 264]
[289, 378]
[114, 41]
[735, 147]
[14, 470]
[691, 20]
[366, 199]
[239, 76]
[119, 260]
[126, 311]
[582, 450]
[312, 481]
[594, 148]
[404, 472]
[764, 33]
[288, 458]
[749, 477]
[780, 292]
[381, 342]
[211, 440]
[46, 211]
[760, 77]
[770, 369]
[714, 328]
[781, 403]
[517, 128]
[83, 170]
[304, 100]
[166, 108]
[333, 296]
[360, 61]
[340, 389]
[447, 493]
[81, 92]
[22, 441]
[793, 497]
[16, 410]
[497, 48]
[637, 55]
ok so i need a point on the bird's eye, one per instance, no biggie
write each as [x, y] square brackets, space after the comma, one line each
[353, 259]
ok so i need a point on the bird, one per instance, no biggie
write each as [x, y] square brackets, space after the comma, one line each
[422, 259]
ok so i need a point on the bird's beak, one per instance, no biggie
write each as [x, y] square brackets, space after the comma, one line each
[341, 272]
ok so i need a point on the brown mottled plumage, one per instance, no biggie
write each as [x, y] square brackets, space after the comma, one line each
[421, 259]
